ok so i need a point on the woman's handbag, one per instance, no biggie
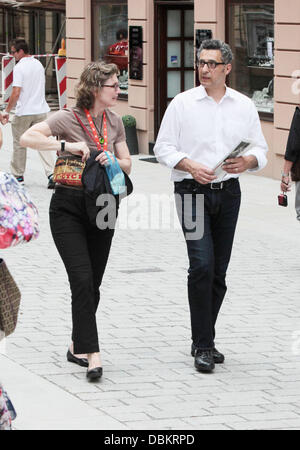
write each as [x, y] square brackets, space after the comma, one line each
[10, 298]
[96, 183]
[68, 170]
[5, 417]
[115, 174]
[18, 214]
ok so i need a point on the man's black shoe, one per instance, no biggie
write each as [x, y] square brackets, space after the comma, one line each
[219, 358]
[204, 360]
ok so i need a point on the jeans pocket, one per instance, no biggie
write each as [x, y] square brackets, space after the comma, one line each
[57, 202]
[184, 188]
[234, 190]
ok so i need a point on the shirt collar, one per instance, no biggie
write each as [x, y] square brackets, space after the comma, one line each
[201, 93]
[25, 58]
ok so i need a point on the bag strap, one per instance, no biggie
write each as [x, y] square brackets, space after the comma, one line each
[95, 136]
[83, 126]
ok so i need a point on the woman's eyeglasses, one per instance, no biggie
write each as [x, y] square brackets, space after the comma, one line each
[115, 86]
[210, 64]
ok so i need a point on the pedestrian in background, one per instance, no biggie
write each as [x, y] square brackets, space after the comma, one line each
[5, 417]
[28, 95]
[200, 127]
[291, 157]
[83, 247]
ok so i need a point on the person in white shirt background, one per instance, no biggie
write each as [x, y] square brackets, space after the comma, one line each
[28, 95]
[200, 127]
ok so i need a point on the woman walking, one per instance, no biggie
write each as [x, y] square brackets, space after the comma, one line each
[83, 247]
[292, 161]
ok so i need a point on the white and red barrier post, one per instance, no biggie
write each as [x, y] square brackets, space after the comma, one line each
[8, 64]
[61, 77]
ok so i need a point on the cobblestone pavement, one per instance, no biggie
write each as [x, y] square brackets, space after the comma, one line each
[149, 380]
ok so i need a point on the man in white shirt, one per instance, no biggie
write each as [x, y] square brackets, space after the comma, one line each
[200, 127]
[28, 95]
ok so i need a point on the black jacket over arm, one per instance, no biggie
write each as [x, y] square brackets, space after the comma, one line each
[293, 145]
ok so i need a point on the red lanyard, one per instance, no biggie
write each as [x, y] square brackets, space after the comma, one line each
[95, 134]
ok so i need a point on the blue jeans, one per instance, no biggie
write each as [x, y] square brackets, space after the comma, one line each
[209, 256]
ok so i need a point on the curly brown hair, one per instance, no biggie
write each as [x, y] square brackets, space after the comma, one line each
[94, 75]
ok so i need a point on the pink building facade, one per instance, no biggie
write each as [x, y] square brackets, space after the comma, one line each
[163, 37]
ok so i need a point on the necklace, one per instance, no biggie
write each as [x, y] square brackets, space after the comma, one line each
[99, 130]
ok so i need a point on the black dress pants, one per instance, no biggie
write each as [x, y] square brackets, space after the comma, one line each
[84, 250]
[209, 255]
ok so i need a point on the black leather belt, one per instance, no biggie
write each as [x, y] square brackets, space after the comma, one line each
[213, 186]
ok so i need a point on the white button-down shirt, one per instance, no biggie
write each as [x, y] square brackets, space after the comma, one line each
[196, 127]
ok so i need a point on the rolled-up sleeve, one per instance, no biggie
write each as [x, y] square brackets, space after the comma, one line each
[167, 147]
[260, 148]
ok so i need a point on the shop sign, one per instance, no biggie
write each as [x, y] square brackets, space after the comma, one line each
[135, 53]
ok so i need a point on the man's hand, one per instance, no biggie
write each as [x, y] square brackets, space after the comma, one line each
[240, 164]
[201, 173]
[4, 118]
[285, 184]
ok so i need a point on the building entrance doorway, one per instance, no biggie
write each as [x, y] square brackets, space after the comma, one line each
[174, 54]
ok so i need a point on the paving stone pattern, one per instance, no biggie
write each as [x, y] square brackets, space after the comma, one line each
[149, 380]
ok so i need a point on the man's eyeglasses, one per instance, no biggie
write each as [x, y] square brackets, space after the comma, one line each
[114, 86]
[210, 64]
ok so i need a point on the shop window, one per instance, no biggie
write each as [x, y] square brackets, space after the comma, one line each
[110, 36]
[250, 33]
[40, 29]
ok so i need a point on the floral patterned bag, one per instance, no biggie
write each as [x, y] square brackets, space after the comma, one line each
[5, 417]
[18, 214]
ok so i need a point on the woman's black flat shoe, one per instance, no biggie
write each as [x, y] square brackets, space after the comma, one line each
[94, 374]
[83, 362]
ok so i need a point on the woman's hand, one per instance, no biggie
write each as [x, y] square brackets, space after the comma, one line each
[103, 158]
[78, 148]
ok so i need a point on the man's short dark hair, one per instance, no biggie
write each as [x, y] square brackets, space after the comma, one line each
[20, 44]
[216, 44]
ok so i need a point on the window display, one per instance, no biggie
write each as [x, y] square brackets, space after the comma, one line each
[111, 37]
[251, 37]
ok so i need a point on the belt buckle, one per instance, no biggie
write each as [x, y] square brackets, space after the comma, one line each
[219, 186]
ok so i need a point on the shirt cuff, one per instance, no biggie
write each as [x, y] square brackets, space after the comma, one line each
[261, 159]
[172, 160]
